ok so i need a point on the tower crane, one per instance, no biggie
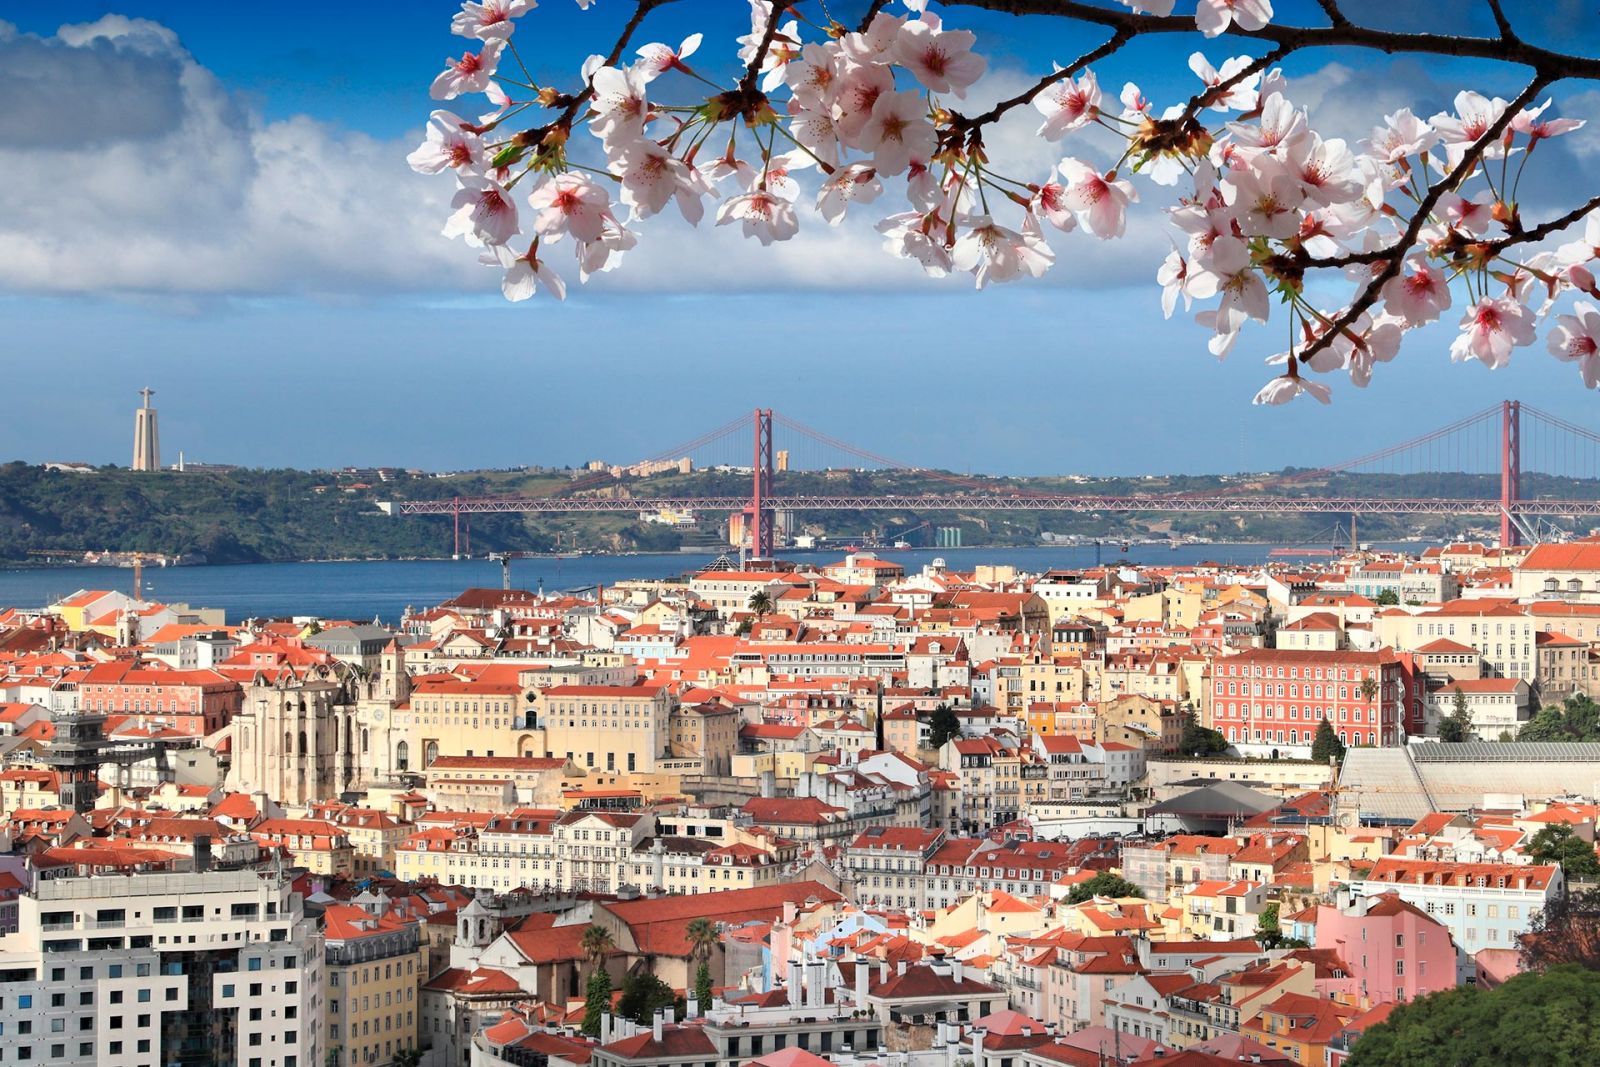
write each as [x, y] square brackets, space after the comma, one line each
[505, 559]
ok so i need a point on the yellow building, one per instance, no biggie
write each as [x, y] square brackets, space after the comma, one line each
[375, 967]
[315, 844]
[448, 715]
[616, 728]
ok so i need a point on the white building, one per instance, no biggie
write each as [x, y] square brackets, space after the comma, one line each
[1484, 905]
[127, 970]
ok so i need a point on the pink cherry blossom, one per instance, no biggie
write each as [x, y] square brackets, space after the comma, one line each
[469, 74]
[1280, 123]
[1418, 295]
[1267, 199]
[524, 274]
[656, 59]
[1177, 279]
[448, 144]
[1474, 115]
[651, 176]
[1160, 8]
[1100, 201]
[1215, 16]
[995, 254]
[1326, 169]
[1528, 121]
[1050, 202]
[1473, 216]
[876, 44]
[605, 253]
[1286, 387]
[621, 110]
[570, 203]
[941, 60]
[1242, 96]
[1067, 104]
[763, 215]
[1402, 134]
[860, 86]
[917, 236]
[1576, 339]
[484, 211]
[814, 76]
[1490, 329]
[490, 19]
[898, 131]
[856, 183]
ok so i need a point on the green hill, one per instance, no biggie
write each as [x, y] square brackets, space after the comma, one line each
[276, 515]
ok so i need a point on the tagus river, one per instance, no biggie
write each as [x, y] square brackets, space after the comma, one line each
[383, 589]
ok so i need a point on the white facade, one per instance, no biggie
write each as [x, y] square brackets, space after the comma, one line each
[132, 970]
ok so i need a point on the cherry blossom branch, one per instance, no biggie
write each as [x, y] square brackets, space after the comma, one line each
[1551, 64]
[1502, 23]
[1396, 253]
[1094, 55]
[1216, 92]
[752, 71]
[1331, 9]
[1541, 231]
[872, 11]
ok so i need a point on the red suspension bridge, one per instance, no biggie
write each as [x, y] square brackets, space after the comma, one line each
[1509, 438]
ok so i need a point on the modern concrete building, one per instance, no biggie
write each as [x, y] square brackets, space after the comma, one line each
[216, 967]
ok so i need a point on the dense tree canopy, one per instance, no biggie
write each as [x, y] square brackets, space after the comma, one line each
[1326, 745]
[1577, 719]
[1559, 844]
[1536, 1018]
[943, 725]
[1104, 884]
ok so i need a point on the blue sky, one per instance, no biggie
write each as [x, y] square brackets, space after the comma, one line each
[241, 233]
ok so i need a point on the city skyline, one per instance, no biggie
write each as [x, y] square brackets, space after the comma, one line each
[350, 325]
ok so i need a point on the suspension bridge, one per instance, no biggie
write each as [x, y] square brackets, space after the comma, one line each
[1511, 439]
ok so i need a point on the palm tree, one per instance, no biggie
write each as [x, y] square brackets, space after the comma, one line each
[760, 602]
[597, 943]
[1369, 688]
[702, 939]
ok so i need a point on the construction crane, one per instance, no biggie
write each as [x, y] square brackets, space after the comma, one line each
[76, 555]
[505, 559]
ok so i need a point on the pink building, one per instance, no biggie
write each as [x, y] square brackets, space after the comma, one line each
[1395, 951]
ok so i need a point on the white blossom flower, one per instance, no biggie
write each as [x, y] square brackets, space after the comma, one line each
[651, 176]
[1474, 116]
[448, 143]
[1418, 294]
[1050, 201]
[1286, 387]
[621, 110]
[571, 203]
[469, 74]
[1576, 339]
[1067, 105]
[1490, 329]
[898, 131]
[524, 274]
[918, 236]
[1215, 16]
[857, 183]
[484, 211]
[656, 59]
[490, 19]
[994, 253]
[1100, 201]
[763, 215]
[1239, 97]
[941, 60]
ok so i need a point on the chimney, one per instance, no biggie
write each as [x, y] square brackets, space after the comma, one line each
[883, 971]
[671, 1014]
[900, 967]
[863, 979]
[977, 1046]
[655, 1026]
[816, 992]
[957, 971]
[605, 1028]
[692, 1008]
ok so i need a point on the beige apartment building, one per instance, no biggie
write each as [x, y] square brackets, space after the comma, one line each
[375, 967]
[613, 728]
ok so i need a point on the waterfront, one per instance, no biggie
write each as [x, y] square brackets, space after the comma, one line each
[383, 588]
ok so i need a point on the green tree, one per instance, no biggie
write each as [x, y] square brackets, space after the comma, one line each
[642, 996]
[1578, 719]
[1387, 599]
[1104, 884]
[702, 986]
[1269, 930]
[596, 944]
[1326, 745]
[1198, 740]
[1535, 1018]
[1558, 844]
[760, 602]
[1457, 726]
[1369, 688]
[596, 1000]
[1566, 930]
[943, 725]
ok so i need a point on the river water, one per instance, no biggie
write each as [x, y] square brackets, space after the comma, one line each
[382, 589]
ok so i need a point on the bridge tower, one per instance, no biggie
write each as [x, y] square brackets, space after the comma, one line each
[1510, 470]
[759, 517]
